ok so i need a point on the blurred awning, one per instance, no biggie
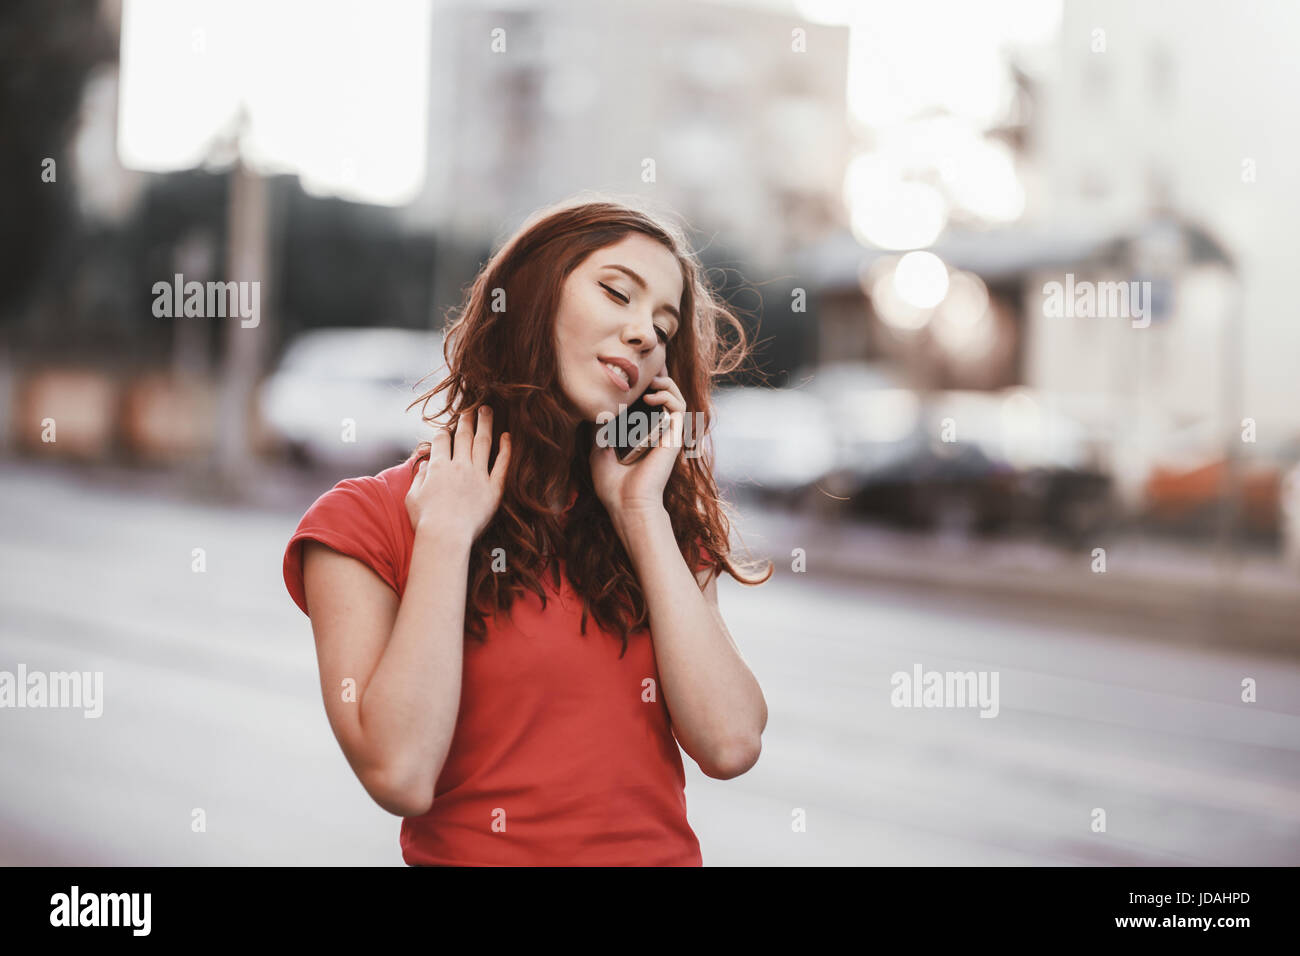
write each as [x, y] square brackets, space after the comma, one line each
[836, 262]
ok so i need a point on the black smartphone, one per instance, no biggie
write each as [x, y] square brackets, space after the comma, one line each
[637, 430]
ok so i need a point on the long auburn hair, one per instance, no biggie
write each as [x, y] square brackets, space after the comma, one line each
[506, 360]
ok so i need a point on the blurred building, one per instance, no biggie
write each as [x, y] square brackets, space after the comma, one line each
[1178, 113]
[531, 103]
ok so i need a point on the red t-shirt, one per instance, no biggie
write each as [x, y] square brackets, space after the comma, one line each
[563, 754]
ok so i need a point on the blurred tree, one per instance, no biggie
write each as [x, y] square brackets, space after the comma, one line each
[782, 340]
[47, 48]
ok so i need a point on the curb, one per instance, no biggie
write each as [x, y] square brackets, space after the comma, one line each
[1232, 612]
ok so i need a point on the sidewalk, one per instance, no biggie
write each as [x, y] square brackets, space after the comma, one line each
[1150, 588]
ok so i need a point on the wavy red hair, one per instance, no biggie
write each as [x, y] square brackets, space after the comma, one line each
[506, 359]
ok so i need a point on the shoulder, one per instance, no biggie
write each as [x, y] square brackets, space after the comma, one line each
[382, 492]
[394, 482]
[360, 517]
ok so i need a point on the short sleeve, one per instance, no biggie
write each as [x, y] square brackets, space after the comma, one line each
[354, 518]
[702, 559]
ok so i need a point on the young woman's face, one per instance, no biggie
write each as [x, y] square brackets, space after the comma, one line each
[617, 308]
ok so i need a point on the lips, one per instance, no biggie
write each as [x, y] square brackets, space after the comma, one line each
[627, 368]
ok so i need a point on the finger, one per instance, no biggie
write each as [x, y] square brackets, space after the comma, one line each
[675, 429]
[664, 398]
[441, 444]
[668, 386]
[464, 438]
[483, 438]
[670, 401]
[418, 481]
[666, 381]
[663, 431]
[498, 474]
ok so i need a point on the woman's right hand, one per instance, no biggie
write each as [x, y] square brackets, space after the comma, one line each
[453, 494]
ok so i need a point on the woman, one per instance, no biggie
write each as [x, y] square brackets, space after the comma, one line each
[586, 587]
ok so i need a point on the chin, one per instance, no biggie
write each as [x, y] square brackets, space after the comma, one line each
[607, 407]
[592, 405]
[583, 411]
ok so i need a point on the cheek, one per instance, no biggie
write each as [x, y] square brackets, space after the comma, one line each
[567, 367]
[572, 322]
[563, 337]
[569, 352]
[576, 332]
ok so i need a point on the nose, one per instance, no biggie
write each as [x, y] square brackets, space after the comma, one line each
[640, 334]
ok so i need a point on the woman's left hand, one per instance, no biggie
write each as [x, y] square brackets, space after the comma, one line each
[625, 490]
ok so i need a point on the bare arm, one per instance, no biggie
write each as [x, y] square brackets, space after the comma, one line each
[396, 724]
[717, 708]
[405, 656]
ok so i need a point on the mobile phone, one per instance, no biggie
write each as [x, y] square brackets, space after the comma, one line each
[637, 430]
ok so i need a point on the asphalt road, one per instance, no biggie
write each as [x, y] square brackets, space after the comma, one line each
[212, 702]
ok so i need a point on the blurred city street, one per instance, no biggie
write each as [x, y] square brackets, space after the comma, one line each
[986, 315]
[212, 701]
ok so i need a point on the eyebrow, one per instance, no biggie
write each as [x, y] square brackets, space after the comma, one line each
[642, 283]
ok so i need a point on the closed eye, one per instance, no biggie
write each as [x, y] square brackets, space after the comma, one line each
[615, 293]
[663, 336]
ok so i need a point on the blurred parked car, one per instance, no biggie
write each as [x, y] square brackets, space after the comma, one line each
[339, 396]
[1290, 516]
[1190, 498]
[776, 442]
[983, 461]
[1187, 496]
[876, 423]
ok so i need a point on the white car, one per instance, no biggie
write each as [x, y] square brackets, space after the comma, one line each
[876, 421]
[339, 396]
[778, 440]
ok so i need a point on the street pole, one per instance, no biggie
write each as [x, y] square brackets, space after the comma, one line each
[246, 261]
